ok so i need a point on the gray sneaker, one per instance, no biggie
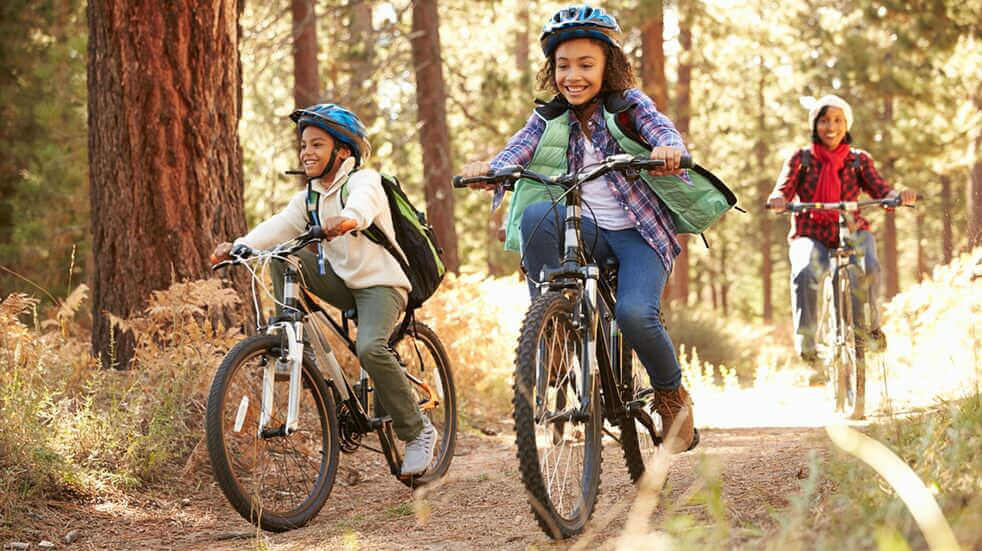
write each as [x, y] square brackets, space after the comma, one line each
[419, 452]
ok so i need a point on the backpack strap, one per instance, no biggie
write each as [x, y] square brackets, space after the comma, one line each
[313, 206]
[314, 219]
[375, 234]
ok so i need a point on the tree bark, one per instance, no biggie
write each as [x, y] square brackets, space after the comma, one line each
[947, 238]
[975, 204]
[653, 53]
[164, 157]
[363, 62]
[680, 274]
[763, 190]
[434, 135]
[306, 82]
[890, 269]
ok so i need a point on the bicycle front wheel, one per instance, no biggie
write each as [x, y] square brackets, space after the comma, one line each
[278, 482]
[422, 356]
[557, 427]
[849, 375]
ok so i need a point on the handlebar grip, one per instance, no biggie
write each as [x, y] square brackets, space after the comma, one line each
[458, 182]
[686, 161]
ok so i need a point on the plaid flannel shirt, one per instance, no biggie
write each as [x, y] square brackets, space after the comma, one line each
[650, 216]
[857, 174]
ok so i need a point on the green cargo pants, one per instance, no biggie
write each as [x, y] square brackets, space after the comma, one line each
[378, 309]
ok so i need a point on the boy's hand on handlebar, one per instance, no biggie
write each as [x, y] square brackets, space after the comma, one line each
[221, 253]
[335, 226]
[477, 168]
[672, 157]
[777, 204]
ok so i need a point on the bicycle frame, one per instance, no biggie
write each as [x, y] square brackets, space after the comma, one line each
[594, 296]
[303, 317]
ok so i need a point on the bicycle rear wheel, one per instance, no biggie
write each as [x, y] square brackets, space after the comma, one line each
[431, 382]
[636, 426]
[276, 482]
[557, 429]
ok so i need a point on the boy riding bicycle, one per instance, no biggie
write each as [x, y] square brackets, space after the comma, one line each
[350, 270]
[587, 70]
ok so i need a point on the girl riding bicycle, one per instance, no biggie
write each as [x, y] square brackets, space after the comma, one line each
[355, 272]
[590, 76]
[828, 171]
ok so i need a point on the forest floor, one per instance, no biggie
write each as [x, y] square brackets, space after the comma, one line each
[761, 442]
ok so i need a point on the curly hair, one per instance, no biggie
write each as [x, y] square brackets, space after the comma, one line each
[618, 74]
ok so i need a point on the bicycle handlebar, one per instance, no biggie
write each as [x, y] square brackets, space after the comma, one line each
[508, 175]
[843, 206]
[241, 253]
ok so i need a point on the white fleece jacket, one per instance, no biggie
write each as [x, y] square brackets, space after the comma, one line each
[355, 258]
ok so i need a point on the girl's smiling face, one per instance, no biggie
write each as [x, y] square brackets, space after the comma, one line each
[580, 64]
[315, 151]
[831, 127]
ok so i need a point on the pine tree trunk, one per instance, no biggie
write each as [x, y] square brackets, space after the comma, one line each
[653, 53]
[947, 238]
[680, 285]
[763, 190]
[891, 273]
[164, 157]
[306, 82]
[363, 62]
[434, 135]
[975, 204]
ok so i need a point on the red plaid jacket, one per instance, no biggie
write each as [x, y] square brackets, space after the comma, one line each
[857, 174]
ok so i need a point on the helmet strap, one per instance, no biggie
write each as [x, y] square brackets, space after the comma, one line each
[330, 163]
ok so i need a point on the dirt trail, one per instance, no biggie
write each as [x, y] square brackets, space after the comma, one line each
[481, 503]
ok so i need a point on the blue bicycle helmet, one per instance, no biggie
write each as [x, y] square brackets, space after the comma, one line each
[340, 123]
[579, 21]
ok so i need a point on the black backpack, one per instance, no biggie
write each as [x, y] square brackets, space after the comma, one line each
[424, 263]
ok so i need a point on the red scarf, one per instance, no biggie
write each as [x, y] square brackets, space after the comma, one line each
[829, 185]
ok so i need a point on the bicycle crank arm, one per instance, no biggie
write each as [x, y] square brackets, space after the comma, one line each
[645, 419]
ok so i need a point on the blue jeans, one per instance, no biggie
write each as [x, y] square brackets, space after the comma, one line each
[809, 265]
[640, 280]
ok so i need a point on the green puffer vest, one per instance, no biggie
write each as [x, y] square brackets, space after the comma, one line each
[694, 206]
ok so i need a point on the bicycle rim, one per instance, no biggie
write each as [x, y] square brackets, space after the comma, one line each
[636, 440]
[559, 456]
[846, 359]
[431, 383]
[279, 482]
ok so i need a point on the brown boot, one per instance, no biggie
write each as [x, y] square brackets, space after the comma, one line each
[675, 408]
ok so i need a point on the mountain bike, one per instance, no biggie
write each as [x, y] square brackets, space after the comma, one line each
[281, 408]
[845, 309]
[573, 368]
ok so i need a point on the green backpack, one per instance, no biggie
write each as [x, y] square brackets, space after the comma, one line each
[423, 264]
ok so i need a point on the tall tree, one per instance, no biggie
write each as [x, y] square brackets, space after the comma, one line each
[891, 271]
[653, 53]
[434, 135]
[975, 187]
[306, 82]
[683, 116]
[164, 157]
[362, 89]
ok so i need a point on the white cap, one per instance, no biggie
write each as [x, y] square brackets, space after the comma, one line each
[815, 105]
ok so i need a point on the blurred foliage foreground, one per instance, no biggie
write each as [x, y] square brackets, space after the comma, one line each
[70, 429]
